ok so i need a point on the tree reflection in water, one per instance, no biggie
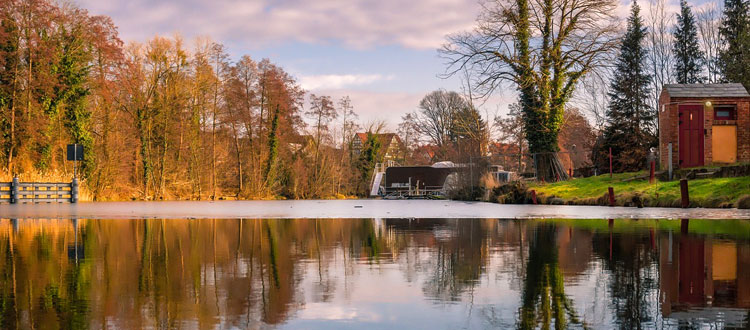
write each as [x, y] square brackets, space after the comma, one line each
[544, 302]
[458, 261]
[631, 262]
[423, 273]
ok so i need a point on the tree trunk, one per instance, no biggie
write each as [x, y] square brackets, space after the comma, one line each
[549, 168]
[239, 159]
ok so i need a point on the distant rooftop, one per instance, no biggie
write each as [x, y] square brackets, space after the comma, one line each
[706, 90]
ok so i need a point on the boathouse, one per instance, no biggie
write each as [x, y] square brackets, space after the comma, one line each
[705, 124]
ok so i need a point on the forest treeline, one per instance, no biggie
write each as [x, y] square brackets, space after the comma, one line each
[158, 120]
[170, 119]
[163, 120]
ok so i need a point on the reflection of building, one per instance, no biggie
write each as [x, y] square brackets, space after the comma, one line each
[703, 276]
[575, 249]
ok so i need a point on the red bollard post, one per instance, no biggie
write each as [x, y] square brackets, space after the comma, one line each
[611, 196]
[610, 162]
[684, 193]
[653, 170]
[533, 196]
[570, 172]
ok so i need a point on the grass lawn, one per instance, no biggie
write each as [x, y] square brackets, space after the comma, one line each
[721, 192]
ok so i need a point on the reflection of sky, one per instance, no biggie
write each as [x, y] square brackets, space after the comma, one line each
[378, 296]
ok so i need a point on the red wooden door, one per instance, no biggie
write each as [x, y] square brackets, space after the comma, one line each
[691, 135]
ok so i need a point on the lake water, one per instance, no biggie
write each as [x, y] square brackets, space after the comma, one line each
[374, 273]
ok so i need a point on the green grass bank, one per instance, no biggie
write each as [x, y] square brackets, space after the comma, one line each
[738, 229]
[632, 191]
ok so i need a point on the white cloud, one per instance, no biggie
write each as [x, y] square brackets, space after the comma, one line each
[420, 24]
[334, 81]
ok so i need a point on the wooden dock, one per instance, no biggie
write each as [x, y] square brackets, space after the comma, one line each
[16, 192]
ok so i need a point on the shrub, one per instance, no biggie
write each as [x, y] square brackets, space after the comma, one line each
[743, 202]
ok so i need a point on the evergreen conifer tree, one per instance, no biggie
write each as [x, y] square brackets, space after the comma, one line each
[630, 120]
[734, 58]
[689, 59]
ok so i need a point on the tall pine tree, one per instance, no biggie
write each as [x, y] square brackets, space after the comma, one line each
[689, 59]
[734, 58]
[630, 120]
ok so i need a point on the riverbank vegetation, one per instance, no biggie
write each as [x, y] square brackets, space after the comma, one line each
[161, 120]
[172, 119]
[175, 119]
[631, 189]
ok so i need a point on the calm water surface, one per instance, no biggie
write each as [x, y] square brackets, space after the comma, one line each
[374, 273]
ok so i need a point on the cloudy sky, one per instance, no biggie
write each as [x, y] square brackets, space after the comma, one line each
[381, 53]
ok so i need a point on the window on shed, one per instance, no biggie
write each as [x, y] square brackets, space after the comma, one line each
[724, 112]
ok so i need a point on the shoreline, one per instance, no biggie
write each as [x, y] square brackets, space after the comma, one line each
[349, 209]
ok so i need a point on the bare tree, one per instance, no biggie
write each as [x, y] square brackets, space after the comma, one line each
[511, 129]
[660, 55]
[348, 115]
[408, 130]
[218, 58]
[322, 112]
[593, 96]
[436, 112]
[470, 133]
[544, 48]
[709, 21]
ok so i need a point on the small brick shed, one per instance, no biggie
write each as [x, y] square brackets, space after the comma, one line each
[707, 124]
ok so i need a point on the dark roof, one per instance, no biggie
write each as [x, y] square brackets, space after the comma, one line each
[706, 90]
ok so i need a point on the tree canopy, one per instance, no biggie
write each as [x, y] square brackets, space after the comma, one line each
[543, 48]
[689, 58]
[629, 131]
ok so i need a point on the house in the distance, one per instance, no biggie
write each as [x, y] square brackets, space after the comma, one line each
[391, 147]
[706, 124]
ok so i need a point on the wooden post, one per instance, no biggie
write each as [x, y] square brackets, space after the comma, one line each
[610, 162]
[15, 189]
[611, 196]
[653, 169]
[533, 196]
[684, 193]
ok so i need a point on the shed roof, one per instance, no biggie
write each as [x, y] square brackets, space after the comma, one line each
[706, 90]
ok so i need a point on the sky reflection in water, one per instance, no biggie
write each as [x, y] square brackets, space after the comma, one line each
[374, 273]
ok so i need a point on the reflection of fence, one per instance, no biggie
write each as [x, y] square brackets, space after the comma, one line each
[38, 192]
